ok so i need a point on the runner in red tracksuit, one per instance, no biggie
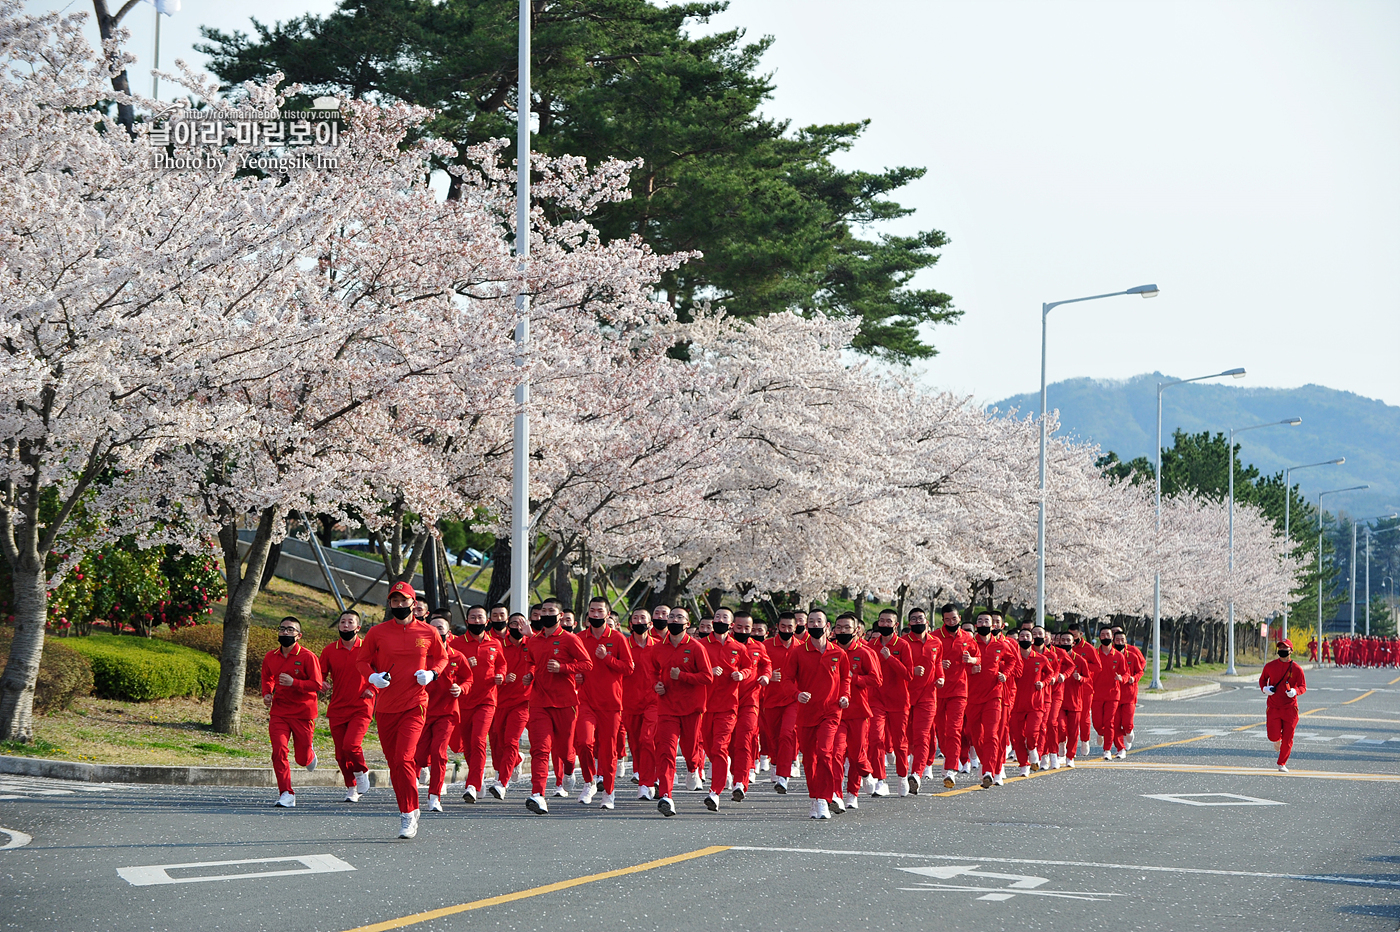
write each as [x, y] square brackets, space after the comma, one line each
[779, 721]
[984, 685]
[1072, 709]
[476, 707]
[512, 705]
[554, 657]
[1282, 681]
[401, 657]
[957, 655]
[745, 740]
[889, 706]
[600, 711]
[683, 676]
[866, 678]
[731, 664]
[822, 672]
[927, 676]
[639, 704]
[1058, 667]
[1084, 648]
[1108, 679]
[351, 706]
[1031, 703]
[291, 677]
[443, 716]
[1134, 664]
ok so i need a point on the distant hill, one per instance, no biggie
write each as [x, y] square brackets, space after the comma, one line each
[1122, 416]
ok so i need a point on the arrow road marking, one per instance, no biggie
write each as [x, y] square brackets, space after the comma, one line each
[17, 839]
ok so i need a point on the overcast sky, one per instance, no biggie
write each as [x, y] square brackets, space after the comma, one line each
[1241, 155]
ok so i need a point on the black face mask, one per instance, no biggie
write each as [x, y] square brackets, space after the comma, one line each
[742, 637]
[950, 625]
[536, 624]
[816, 633]
[799, 629]
[675, 627]
[348, 635]
[984, 630]
[443, 635]
[568, 628]
[402, 612]
[286, 640]
[1284, 654]
[785, 635]
[917, 627]
[476, 628]
[516, 633]
[458, 629]
[498, 626]
[548, 621]
[640, 628]
[1025, 645]
[721, 627]
[1037, 641]
[1105, 641]
[1119, 646]
[843, 639]
[885, 630]
[659, 624]
[597, 622]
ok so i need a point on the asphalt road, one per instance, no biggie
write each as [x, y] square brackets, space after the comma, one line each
[1093, 848]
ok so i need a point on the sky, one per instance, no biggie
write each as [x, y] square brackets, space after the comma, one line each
[1240, 155]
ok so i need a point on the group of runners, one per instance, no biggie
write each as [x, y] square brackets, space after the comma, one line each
[1357, 651]
[865, 713]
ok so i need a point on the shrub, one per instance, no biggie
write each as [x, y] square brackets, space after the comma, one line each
[63, 674]
[141, 669]
[210, 640]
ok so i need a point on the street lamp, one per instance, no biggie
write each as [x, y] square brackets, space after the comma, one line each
[1320, 497]
[1147, 291]
[1287, 500]
[1157, 579]
[520, 473]
[1230, 633]
[1388, 584]
[1367, 522]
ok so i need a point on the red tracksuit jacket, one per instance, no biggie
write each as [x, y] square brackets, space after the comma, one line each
[994, 660]
[1281, 674]
[299, 699]
[952, 647]
[639, 686]
[555, 690]
[926, 653]
[750, 690]
[602, 686]
[730, 656]
[517, 661]
[686, 694]
[441, 702]
[866, 677]
[827, 676]
[783, 691]
[401, 650]
[340, 662]
[490, 662]
[1037, 668]
[1112, 666]
[894, 675]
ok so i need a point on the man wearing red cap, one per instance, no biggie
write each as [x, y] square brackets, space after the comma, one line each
[400, 658]
[1282, 681]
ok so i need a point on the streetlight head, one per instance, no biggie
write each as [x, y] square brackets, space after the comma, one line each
[1337, 462]
[1147, 291]
[1292, 422]
[1234, 373]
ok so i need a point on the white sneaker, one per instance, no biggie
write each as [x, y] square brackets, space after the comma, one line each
[560, 792]
[1083, 747]
[362, 782]
[1128, 740]
[712, 802]
[1064, 748]
[966, 768]
[812, 812]
[352, 795]
[1025, 771]
[408, 824]
[881, 788]
[928, 772]
[903, 788]
[867, 784]
[780, 784]
[823, 810]
[753, 775]
[851, 801]
[1122, 753]
[423, 776]
[1108, 755]
[573, 780]
[1054, 762]
[312, 766]
[950, 778]
[666, 807]
[434, 803]
[764, 764]
[912, 783]
[739, 794]
[999, 779]
[973, 761]
[607, 802]
[287, 801]
[695, 781]
[1069, 762]
[536, 804]
[586, 796]
[1283, 768]
[1035, 760]
[837, 806]
[498, 790]
[644, 792]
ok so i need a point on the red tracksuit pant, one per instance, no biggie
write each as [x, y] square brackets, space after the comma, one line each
[1086, 707]
[744, 745]
[551, 733]
[1127, 712]
[923, 721]
[473, 732]
[398, 736]
[719, 733]
[1025, 726]
[300, 731]
[818, 745]
[673, 732]
[507, 725]
[349, 737]
[984, 725]
[432, 750]
[596, 739]
[1280, 724]
[780, 737]
[1070, 731]
[888, 734]
[641, 737]
[1051, 728]
[951, 711]
[855, 733]
[1106, 721]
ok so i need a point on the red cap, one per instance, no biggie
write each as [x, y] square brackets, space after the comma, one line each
[1286, 643]
[404, 589]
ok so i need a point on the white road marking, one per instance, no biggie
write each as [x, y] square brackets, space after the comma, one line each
[1020, 884]
[16, 787]
[1241, 771]
[17, 839]
[1162, 731]
[309, 864]
[1325, 878]
[1211, 799]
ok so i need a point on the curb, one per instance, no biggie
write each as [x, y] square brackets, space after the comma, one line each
[1170, 695]
[171, 776]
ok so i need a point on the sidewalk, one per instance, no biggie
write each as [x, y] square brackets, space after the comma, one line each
[1186, 686]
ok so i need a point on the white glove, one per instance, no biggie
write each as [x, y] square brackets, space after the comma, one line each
[424, 677]
[1268, 690]
[1291, 692]
[379, 680]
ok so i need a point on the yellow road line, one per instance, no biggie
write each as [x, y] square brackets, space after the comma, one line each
[1394, 681]
[1349, 718]
[534, 891]
[1359, 698]
[977, 786]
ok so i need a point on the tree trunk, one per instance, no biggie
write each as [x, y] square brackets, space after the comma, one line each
[859, 608]
[899, 601]
[242, 579]
[106, 28]
[563, 582]
[499, 590]
[22, 670]
[585, 588]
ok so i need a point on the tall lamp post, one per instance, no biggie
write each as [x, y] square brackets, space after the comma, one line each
[1367, 522]
[520, 477]
[1147, 291]
[1388, 584]
[1320, 497]
[1157, 578]
[1230, 633]
[1287, 500]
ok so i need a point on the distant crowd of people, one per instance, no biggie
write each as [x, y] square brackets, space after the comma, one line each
[1357, 651]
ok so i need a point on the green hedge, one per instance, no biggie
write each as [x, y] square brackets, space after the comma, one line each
[141, 669]
[209, 639]
[64, 673]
